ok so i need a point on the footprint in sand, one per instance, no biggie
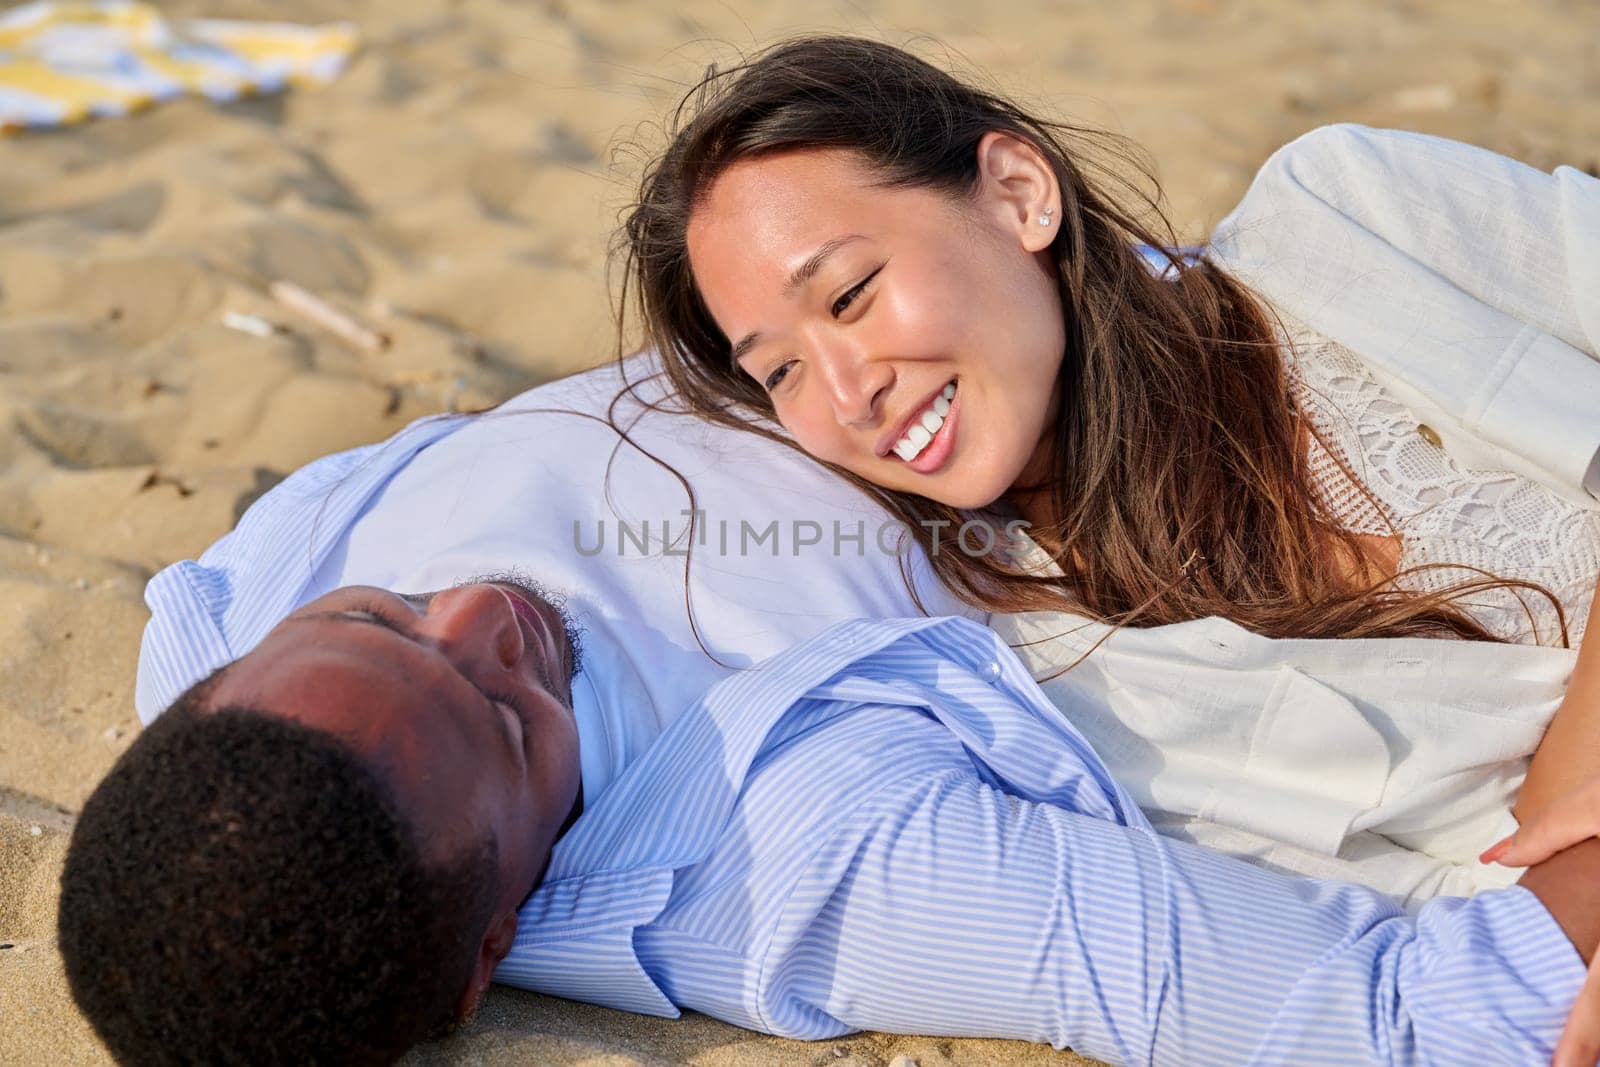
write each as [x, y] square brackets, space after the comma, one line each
[132, 211]
[39, 348]
[80, 439]
[498, 183]
[284, 249]
[77, 303]
[139, 299]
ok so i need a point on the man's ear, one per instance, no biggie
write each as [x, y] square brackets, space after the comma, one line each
[497, 941]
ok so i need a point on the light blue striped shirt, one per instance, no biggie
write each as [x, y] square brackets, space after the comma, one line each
[889, 827]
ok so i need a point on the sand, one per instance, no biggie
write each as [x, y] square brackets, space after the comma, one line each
[457, 187]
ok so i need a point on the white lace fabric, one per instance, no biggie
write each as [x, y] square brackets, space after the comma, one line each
[1471, 520]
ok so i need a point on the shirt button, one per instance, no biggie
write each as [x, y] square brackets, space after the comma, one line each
[1430, 435]
[990, 672]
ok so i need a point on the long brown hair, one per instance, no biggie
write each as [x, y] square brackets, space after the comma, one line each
[1180, 484]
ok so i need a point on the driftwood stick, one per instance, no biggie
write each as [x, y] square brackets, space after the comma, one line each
[336, 321]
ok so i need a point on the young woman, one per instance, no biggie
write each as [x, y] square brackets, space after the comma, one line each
[1370, 412]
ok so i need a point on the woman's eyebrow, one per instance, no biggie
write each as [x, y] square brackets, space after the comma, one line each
[808, 270]
[802, 274]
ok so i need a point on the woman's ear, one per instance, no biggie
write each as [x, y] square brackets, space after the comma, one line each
[1017, 184]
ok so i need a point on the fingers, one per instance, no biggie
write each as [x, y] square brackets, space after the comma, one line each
[1564, 822]
[1496, 850]
[1580, 1041]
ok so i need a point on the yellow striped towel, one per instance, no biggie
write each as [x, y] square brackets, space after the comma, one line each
[64, 61]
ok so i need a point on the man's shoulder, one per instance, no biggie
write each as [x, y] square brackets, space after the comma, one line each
[206, 612]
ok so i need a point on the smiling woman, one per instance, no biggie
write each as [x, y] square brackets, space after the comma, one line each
[942, 297]
[917, 273]
[1361, 412]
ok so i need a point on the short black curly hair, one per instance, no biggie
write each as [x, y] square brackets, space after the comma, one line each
[242, 888]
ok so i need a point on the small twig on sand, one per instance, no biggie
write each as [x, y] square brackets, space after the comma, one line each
[254, 325]
[336, 321]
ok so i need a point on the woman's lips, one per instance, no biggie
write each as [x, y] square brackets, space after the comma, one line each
[937, 452]
[888, 444]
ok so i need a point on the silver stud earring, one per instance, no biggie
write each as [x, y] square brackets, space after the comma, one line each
[1044, 217]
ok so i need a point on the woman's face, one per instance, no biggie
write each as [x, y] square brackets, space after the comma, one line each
[859, 307]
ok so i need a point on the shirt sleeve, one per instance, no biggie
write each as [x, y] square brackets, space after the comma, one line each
[1506, 233]
[955, 908]
[1379, 237]
[193, 603]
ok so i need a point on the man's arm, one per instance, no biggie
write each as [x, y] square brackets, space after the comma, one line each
[1568, 885]
[1565, 830]
[1566, 757]
[960, 909]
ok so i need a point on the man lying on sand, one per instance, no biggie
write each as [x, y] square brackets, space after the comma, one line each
[327, 849]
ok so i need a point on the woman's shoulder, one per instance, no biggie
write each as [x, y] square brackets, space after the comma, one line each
[1326, 156]
[1400, 186]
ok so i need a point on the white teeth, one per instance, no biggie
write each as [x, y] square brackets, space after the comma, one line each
[916, 439]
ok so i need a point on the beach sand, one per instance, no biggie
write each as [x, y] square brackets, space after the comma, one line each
[457, 188]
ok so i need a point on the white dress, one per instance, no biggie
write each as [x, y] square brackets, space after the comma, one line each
[1446, 285]
[1474, 521]
[1390, 762]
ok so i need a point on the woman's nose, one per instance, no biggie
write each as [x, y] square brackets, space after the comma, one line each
[475, 626]
[856, 385]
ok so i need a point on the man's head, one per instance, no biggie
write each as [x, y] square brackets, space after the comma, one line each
[318, 852]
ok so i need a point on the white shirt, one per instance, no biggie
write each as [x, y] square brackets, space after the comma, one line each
[784, 549]
[1455, 523]
[1468, 285]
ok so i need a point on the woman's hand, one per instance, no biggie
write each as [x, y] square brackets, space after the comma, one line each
[1561, 823]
